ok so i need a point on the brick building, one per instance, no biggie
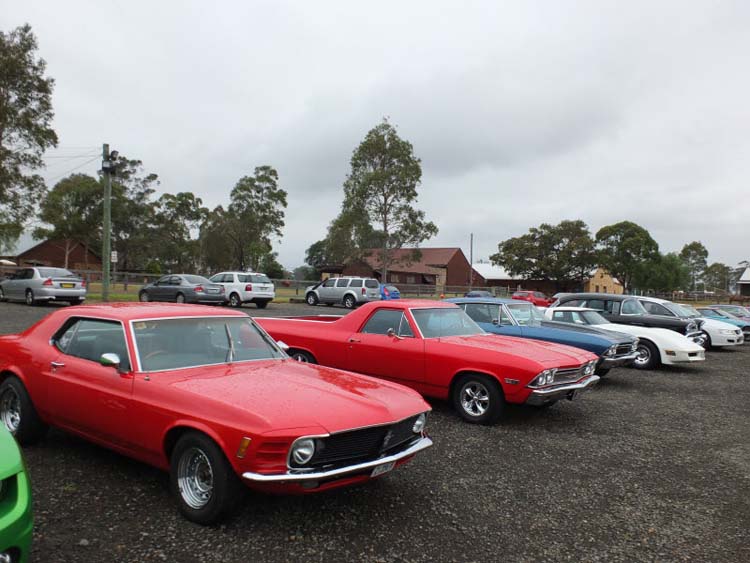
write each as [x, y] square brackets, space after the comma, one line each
[69, 253]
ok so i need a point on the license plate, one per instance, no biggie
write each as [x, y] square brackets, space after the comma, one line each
[67, 285]
[213, 291]
[385, 468]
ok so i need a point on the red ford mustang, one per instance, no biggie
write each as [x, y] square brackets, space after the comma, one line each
[438, 350]
[207, 395]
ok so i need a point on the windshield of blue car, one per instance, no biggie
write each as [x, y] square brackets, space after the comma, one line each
[167, 344]
[690, 311]
[434, 323]
[720, 313]
[525, 314]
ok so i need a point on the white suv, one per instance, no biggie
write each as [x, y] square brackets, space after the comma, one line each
[246, 287]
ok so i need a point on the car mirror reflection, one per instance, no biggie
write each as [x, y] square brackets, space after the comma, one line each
[110, 360]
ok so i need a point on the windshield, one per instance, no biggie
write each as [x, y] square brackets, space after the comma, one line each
[434, 323]
[167, 344]
[682, 310]
[253, 278]
[196, 279]
[525, 314]
[593, 318]
[690, 311]
[56, 273]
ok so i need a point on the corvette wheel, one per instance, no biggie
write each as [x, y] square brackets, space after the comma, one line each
[648, 356]
[302, 356]
[478, 399]
[311, 299]
[205, 485]
[707, 340]
[17, 412]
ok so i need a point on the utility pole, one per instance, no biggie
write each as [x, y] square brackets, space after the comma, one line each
[108, 168]
[471, 260]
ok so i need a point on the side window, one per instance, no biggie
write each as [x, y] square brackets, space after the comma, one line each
[504, 318]
[163, 280]
[342, 282]
[228, 278]
[656, 309]
[404, 329]
[218, 278]
[88, 339]
[356, 283]
[27, 274]
[175, 280]
[480, 312]
[372, 284]
[572, 303]
[562, 316]
[383, 320]
[629, 307]
[597, 304]
[330, 282]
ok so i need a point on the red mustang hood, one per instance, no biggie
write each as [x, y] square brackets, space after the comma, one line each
[548, 354]
[290, 394]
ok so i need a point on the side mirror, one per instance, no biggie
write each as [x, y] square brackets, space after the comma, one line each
[392, 333]
[110, 360]
[283, 345]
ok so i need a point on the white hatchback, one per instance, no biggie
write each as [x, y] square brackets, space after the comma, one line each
[246, 287]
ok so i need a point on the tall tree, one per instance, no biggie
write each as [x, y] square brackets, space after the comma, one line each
[25, 129]
[562, 253]
[664, 272]
[177, 216]
[695, 256]
[382, 185]
[624, 248]
[717, 276]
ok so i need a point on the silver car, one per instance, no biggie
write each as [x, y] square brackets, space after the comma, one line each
[33, 285]
[183, 288]
[349, 292]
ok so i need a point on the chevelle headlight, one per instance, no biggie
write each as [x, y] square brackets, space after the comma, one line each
[589, 368]
[611, 351]
[544, 378]
[303, 451]
[419, 424]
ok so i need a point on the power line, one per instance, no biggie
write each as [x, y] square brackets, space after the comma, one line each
[70, 156]
[73, 169]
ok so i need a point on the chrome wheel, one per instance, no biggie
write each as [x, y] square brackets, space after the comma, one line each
[143, 297]
[475, 398]
[29, 297]
[2, 294]
[234, 300]
[644, 356]
[10, 410]
[180, 298]
[195, 478]
[300, 357]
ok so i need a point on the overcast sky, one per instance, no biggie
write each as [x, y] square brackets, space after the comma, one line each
[522, 112]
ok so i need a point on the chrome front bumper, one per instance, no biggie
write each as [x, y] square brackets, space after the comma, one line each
[300, 476]
[540, 397]
[613, 362]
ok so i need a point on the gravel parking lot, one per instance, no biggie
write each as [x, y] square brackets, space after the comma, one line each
[650, 466]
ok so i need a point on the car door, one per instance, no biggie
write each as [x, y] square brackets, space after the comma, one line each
[19, 284]
[338, 292]
[326, 292]
[172, 288]
[84, 395]
[399, 357]
[157, 291]
[10, 286]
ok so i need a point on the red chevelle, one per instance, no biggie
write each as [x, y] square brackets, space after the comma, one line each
[207, 395]
[438, 350]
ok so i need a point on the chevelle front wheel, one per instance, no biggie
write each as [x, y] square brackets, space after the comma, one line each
[206, 487]
[478, 399]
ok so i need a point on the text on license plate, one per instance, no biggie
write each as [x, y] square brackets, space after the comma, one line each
[385, 468]
[67, 285]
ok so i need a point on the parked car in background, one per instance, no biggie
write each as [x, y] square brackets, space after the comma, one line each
[656, 346]
[627, 310]
[208, 396]
[722, 316]
[479, 293]
[183, 288]
[513, 318]
[389, 292]
[35, 285]
[536, 297]
[347, 291]
[736, 310]
[715, 333]
[435, 348]
[16, 517]
[246, 287]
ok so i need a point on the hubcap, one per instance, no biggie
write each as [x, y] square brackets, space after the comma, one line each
[300, 357]
[10, 410]
[311, 300]
[195, 478]
[180, 299]
[475, 399]
[234, 301]
[644, 355]
[29, 297]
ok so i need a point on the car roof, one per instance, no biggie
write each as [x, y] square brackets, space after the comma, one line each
[488, 300]
[136, 311]
[595, 296]
[653, 299]
[570, 308]
[413, 304]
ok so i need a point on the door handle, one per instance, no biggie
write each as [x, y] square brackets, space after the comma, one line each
[56, 365]
[354, 340]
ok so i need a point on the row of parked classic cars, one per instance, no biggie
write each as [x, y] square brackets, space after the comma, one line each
[225, 402]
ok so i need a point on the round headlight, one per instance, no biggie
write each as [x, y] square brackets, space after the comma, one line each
[419, 424]
[303, 451]
[550, 376]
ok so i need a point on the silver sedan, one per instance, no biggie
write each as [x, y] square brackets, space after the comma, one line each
[184, 288]
[33, 285]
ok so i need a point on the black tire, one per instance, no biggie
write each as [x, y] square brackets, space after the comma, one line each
[30, 298]
[486, 390]
[601, 372]
[261, 304]
[648, 356]
[302, 356]
[226, 490]
[349, 301]
[235, 301]
[28, 428]
[311, 299]
[143, 297]
[179, 298]
[707, 344]
[2, 294]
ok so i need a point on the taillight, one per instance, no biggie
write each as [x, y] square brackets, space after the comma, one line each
[363, 291]
[222, 289]
[198, 289]
[385, 290]
[249, 287]
[47, 282]
[83, 284]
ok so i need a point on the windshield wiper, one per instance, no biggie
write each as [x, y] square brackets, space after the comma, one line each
[230, 352]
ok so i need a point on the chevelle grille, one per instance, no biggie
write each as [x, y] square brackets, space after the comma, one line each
[623, 349]
[363, 444]
[565, 375]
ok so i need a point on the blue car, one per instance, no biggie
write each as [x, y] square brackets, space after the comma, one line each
[512, 317]
[389, 292]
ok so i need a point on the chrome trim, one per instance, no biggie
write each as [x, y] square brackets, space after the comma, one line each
[614, 361]
[542, 396]
[423, 444]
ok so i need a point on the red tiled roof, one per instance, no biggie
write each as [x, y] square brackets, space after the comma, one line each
[431, 258]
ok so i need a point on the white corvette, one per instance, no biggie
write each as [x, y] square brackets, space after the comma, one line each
[656, 346]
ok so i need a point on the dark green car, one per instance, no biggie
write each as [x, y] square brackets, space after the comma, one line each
[16, 519]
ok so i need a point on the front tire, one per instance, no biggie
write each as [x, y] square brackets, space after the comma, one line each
[17, 412]
[143, 297]
[648, 356]
[707, 344]
[478, 399]
[202, 480]
[349, 301]
[302, 356]
[311, 299]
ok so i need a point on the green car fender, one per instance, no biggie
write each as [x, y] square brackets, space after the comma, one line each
[16, 518]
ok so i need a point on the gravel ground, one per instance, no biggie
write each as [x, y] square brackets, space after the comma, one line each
[650, 466]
